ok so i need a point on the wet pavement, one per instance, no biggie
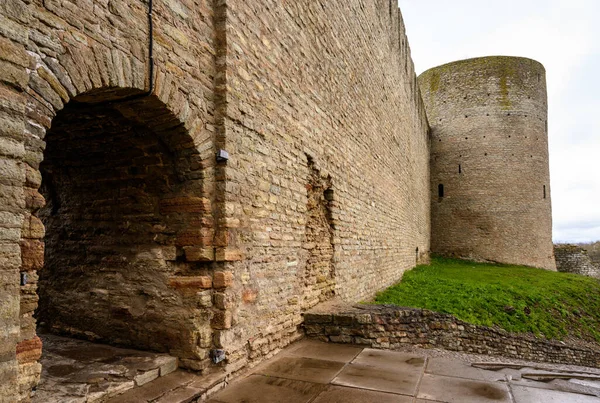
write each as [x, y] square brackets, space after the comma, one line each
[308, 371]
[76, 371]
[315, 372]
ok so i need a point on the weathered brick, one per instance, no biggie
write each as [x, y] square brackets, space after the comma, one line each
[220, 300]
[189, 204]
[191, 283]
[29, 350]
[199, 254]
[33, 228]
[221, 320]
[32, 254]
[228, 255]
[249, 296]
[222, 279]
[14, 53]
[317, 318]
[33, 199]
[15, 75]
[195, 237]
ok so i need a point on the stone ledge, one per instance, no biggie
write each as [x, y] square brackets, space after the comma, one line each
[389, 327]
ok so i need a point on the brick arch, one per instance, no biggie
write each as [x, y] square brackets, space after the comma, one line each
[58, 54]
[76, 81]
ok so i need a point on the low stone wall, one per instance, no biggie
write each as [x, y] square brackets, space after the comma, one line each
[574, 259]
[389, 327]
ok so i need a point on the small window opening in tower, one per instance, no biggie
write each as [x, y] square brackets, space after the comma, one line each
[544, 191]
[440, 190]
[459, 169]
[417, 254]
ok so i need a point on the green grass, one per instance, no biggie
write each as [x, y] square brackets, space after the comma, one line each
[515, 298]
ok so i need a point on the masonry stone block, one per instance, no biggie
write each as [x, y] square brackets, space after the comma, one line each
[228, 255]
[221, 320]
[222, 279]
[199, 254]
[32, 254]
[191, 283]
[29, 350]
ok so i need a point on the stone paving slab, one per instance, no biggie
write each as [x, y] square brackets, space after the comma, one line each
[303, 369]
[324, 351]
[156, 389]
[266, 389]
[379, 376]
[460, 390]
[390, 359]
[560, 385]
[315, 372]
[383, 379]
[460, 369]
[338, 394]
[386, 371]
[530, 395]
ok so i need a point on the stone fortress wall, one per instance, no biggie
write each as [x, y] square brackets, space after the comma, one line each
[120, 225]
[490, 180]
[104, 192]
[330, 164]
[574, 259]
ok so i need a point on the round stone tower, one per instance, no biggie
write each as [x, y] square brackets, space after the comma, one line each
[490, 178]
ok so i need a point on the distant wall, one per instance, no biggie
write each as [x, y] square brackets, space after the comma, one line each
[575, 259]
[490, 179]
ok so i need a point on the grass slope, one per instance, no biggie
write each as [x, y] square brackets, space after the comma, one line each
[515, 298]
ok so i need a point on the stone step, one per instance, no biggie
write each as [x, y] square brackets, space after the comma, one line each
[177, 387]
[78, 371]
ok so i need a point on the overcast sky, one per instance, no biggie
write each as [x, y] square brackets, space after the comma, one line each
[564, 35]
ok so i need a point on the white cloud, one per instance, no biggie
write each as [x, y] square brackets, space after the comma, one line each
[561, 34]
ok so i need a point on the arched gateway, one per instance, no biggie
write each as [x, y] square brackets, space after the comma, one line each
[109, 205]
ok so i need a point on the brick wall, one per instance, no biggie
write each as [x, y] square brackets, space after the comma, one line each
[575, 259]
[321, 88]
[134, 175]
[143, 238]
[489, 151]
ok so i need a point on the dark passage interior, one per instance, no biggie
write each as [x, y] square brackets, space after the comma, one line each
[109, 247]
